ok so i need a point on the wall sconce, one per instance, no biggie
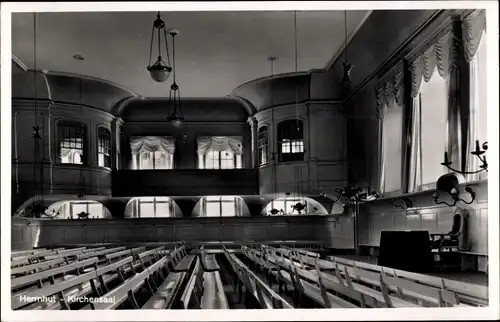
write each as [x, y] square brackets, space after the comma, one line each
[185, 138]
[477, 152]
[353, 194]
[449, 184]
[407, 204]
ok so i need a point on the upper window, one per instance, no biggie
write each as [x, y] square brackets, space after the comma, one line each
[71, 142]
[291, 140]
[152, 153]
[104, 147]
[219, 152]
[392, 130]
[263, 145]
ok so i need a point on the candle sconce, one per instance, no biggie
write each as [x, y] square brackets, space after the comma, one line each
[478, 152]
[449, 184]
[353, 194]
[408, 204]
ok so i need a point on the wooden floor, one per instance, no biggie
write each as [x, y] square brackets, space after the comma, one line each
[478, 278]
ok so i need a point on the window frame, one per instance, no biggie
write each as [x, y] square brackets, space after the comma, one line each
[235, 160]
[263, 144]
[106, 132]
[234, 201]
[76, 125]
[299, 156]
[171, 208]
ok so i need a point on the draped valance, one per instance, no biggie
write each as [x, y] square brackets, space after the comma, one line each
[219, 143]
[141, 144]
[441, 54]
[472, 29]
[391, 90]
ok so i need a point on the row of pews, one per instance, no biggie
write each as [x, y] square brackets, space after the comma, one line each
[336, 282]
[178, 276]
[107, 278]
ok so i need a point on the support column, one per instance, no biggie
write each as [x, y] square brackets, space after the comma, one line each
[255, 144]
[116, 128]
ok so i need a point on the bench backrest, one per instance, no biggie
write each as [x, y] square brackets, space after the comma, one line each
[20, 300]
[20, 260]
[478, 291]
[130, 285]
[23, 280]
[100, 252]
[37, 266]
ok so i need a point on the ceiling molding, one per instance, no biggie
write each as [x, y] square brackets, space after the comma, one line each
[268, 78]
[91, 78]
[19, 63]
[339, 52]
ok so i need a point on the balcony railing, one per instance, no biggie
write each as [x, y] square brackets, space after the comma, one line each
[194, 182]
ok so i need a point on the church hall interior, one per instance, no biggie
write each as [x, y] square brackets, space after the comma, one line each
[249, 159]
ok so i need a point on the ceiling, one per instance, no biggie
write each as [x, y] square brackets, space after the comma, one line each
[215, 51]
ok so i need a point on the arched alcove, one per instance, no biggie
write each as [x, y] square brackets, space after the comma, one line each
[221, 206]
[152, 207]
[287, 207]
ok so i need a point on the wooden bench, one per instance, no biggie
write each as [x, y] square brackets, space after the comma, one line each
[466, 293]
[214, 296]
[36, 267]
[91, 282]
[29, 259]
[100, 253]
[26, 252]
[130, 286]
[292, 277]
[185, 264]
[166, 293]
[209, 262]
[124, 253]
[51, 273]
[382, 297]
[191, 297]
[267, 298]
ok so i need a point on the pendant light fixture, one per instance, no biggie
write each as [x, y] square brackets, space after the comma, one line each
[174, 101]
[274, 211]
[37, 209]
[159, 70]
[296, 70]
[346, 79]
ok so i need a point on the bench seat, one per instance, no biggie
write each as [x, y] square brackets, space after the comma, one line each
[185, 264]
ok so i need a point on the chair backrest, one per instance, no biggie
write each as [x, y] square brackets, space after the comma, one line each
[457, 224]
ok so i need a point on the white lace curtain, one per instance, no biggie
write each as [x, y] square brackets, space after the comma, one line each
[390, 97]
[152, 144]
[440, 56]
[474, 40]
[219, 143]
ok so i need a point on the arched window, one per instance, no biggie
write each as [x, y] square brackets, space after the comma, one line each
[263, 145]
[221, 206]
[104, 147]
[150, 207]
[291, 140]
[71, 137]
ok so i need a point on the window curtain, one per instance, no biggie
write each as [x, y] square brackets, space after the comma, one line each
[219, 143]
[474, 42]
[152, 144]
[390, 96]
[440, 56]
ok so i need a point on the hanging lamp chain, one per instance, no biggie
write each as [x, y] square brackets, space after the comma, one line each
[296, 72]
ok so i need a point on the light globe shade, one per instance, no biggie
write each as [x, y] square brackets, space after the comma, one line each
[176, 122]
[159, 74]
